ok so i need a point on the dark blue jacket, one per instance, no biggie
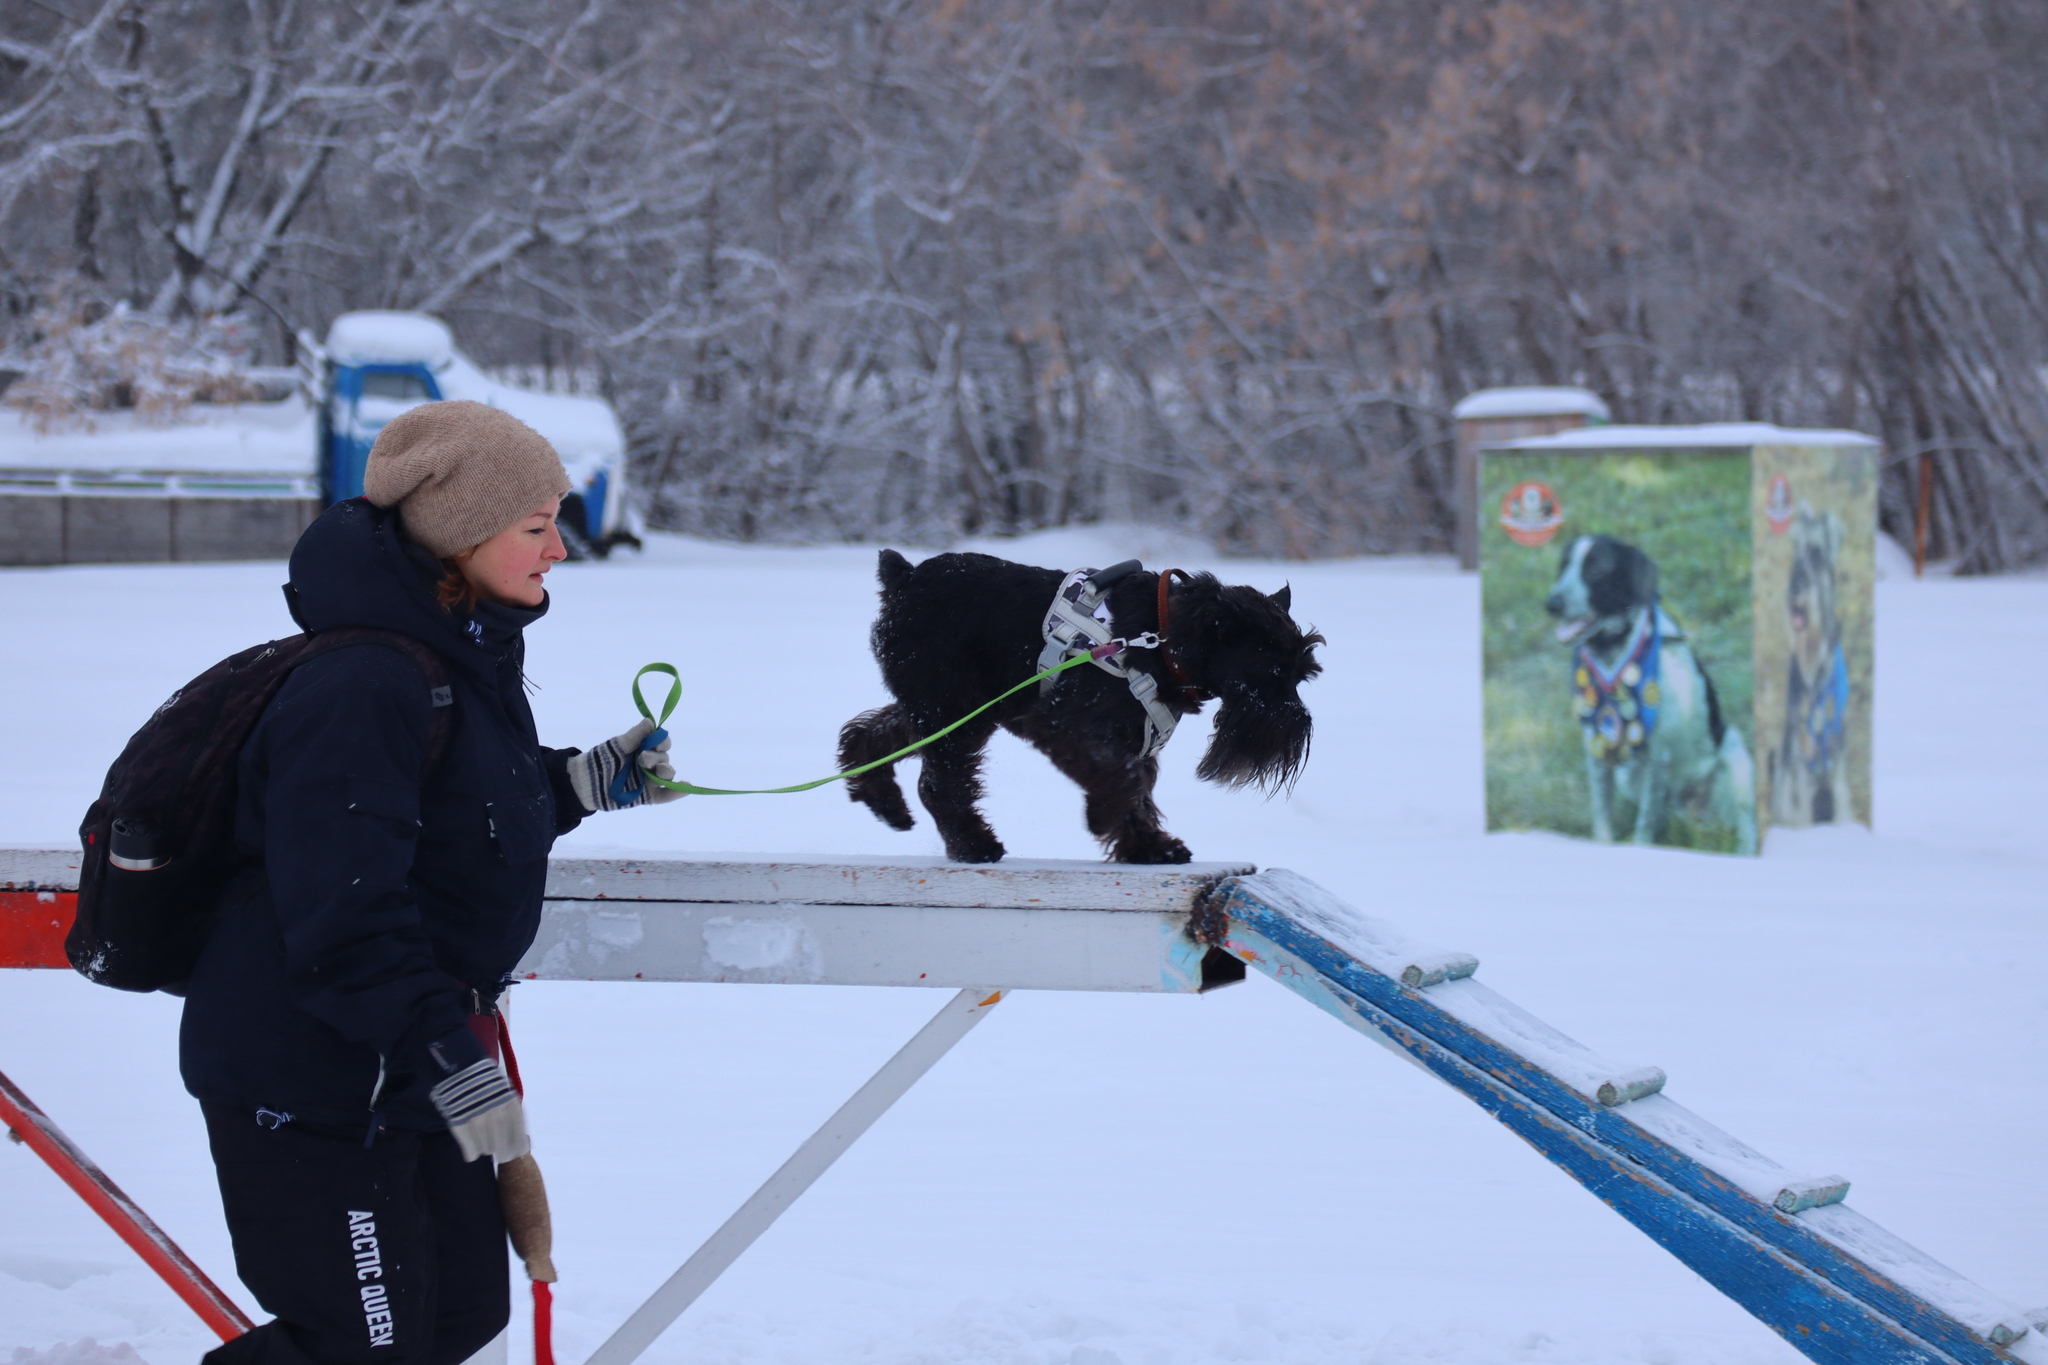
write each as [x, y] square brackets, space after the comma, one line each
[387, 908]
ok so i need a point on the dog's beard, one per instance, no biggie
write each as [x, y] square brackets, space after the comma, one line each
[1259, 741]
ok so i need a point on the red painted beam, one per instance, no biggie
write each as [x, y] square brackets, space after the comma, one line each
[33, 925]
[135, 1227]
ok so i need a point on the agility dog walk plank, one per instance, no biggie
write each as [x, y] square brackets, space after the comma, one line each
[1015, 883]
[1031, 925]
[1833, 1284]
[38, 899]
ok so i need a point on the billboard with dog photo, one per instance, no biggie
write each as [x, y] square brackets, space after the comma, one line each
[1615, 590]
[1652, 657]
[1814, 525]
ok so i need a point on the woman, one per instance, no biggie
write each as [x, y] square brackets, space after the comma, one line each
[339, 1030]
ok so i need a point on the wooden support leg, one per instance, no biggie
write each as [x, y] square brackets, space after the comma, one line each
[796, 1175]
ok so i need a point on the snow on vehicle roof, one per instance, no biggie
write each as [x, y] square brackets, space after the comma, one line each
[1690, 438]
[1533, 401]
[578, 428]
[382, 338]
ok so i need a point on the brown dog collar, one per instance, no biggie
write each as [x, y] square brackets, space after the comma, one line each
[1180, 675]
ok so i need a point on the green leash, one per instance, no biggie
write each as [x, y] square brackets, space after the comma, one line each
[675, 694]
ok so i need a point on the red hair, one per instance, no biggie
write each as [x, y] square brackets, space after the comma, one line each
[455, 592]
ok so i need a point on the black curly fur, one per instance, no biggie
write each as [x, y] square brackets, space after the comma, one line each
[958, 629]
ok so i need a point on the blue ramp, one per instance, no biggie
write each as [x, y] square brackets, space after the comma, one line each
[1780, 1243]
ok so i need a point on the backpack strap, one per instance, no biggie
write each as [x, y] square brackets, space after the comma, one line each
[440, 693]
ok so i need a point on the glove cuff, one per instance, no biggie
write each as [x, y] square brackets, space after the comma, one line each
[470, 1092]
[457, 1052]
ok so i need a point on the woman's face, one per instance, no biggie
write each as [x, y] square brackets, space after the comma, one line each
[511, 566]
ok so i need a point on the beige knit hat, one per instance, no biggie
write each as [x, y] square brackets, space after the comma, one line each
[460, 472]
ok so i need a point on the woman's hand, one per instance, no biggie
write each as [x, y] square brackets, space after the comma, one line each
[613, 775]
[476, 1101]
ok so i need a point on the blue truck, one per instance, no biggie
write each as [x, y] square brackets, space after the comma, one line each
[375, 365]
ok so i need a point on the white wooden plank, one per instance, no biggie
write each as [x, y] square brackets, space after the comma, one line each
[1041, 884]
[38, 869]
[878, 945]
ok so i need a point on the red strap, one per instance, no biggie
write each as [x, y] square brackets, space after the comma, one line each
[543, 1293]
[484, 1028]
[543, 1323]
[511, 1057]
[1180, 676]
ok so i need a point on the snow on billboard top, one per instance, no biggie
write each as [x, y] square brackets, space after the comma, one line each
[1531, 401]
[378, 338]
[1709, 435]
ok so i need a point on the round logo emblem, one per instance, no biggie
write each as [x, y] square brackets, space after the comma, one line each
[1778, 509]
[1530, 514]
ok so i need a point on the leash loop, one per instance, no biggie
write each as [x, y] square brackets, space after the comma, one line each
[668, 705]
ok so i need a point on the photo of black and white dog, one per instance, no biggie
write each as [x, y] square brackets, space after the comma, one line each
[1652, 723]
[958, 629]
[1809, 768]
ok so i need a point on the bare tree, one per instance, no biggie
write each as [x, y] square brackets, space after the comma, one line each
[916, 267]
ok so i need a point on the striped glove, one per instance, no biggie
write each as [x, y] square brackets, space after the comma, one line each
[479, 1105]
[612, 776]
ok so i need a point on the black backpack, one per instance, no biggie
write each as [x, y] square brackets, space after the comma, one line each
[159, 843]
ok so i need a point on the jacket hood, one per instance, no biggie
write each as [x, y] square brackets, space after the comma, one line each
[354, 566]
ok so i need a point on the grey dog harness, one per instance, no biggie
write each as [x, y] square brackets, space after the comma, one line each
[1079, 622]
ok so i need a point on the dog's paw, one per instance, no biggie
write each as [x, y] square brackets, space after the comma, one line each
[982, 848]
[880, 794]
[886, 801]
[1155, 848]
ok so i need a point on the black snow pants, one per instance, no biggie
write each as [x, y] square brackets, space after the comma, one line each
[392, 1254]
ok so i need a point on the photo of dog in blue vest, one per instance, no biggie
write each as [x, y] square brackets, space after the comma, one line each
[1809, 768]
[1655, 732]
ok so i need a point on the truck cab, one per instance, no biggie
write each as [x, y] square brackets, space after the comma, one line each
[375, 365]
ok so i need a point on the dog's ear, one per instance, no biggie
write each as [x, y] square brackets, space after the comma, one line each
[892, 569]
[1642, 576]
[1284, 598]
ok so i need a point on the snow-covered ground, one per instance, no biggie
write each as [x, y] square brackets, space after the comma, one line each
[1097, 1179]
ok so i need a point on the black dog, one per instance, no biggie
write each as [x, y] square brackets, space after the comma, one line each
[960, 628]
